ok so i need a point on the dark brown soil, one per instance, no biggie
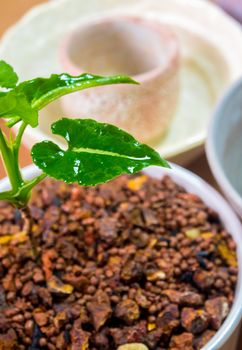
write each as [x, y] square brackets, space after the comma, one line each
[134, 261]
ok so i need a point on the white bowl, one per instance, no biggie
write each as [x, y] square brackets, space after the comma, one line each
[224, 145]
[213, 199]
[145, 49]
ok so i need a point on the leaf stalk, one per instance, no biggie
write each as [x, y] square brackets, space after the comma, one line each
[10, 164]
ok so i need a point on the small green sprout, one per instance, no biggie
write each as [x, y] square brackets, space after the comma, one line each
[95, 153]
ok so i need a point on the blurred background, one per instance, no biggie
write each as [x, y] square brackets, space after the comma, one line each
[13, 10]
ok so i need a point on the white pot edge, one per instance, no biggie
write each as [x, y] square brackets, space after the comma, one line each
[212, 198]
[210, 147]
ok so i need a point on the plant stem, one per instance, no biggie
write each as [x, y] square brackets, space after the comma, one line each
[6, 196]
[9, 162]
[13, 121]
[32, 183]
[20, 193]
[21, 197]
[16, 147]
[27, 227]
[18, 139]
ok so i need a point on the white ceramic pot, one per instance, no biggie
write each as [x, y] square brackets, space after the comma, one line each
[224, 145]
[225, 338]
[210, 48]
[144, 49]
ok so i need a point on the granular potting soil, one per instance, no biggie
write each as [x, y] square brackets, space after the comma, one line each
[137, 260]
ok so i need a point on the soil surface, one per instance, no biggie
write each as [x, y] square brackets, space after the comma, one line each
[137, 260]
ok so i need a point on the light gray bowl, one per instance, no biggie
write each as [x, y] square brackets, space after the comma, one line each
[224, 145]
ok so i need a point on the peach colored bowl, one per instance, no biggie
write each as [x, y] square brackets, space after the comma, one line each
[144, 49]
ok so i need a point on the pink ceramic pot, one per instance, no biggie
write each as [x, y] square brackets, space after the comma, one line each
[144, 49]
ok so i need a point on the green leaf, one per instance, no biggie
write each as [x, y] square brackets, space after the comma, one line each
[25, 100]
[14, 105]
[96, 153]
[41, 91]
[8, 78]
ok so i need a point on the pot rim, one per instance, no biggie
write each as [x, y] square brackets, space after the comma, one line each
[158, 27]
[193, 183]
[211, 153]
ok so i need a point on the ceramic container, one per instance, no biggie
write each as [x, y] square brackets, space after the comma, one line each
[224, 145]
[226, 337]
[210, 60]
[144, 49]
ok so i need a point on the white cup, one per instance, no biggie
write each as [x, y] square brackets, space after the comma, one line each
[144, 49]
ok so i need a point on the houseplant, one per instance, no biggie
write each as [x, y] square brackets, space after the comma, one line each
[59, 286]
[103, 143]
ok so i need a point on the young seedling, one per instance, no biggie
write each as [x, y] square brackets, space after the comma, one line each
[95, 152]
